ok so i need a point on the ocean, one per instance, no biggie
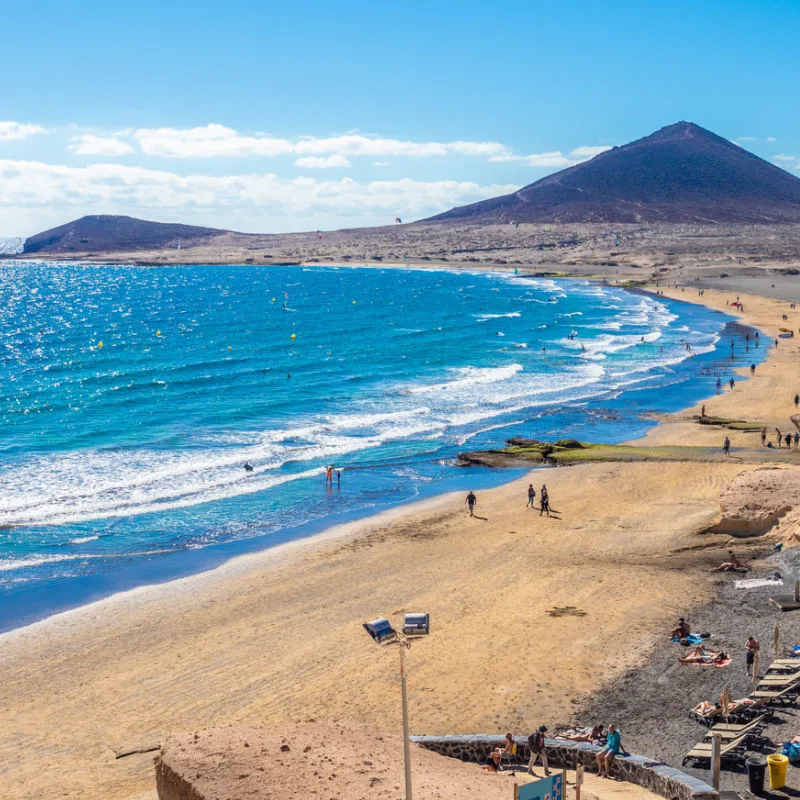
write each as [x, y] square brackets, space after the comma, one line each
[133, 397]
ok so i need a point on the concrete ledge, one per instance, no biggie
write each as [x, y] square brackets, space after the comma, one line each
[653, 775]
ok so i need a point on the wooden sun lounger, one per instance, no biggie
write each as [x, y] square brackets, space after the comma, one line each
[731, 752]
[736, 727]
[779, 680]
[775, 695]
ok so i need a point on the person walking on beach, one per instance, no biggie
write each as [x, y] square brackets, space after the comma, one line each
[752, 647]
[796, 400]
[544, 501]
[536, 744]
[764, 437]
[796, 438]
[470, 501]
[726, 446]
[703, 412]
[732, 384]
[752, 370]
[780, 437]
[788, 440]
[531, 495]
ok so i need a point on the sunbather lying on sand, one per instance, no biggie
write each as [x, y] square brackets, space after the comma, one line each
[699, 655]
[584, 735]
[733, 564]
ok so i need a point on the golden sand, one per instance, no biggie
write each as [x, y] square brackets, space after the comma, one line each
[276, 636]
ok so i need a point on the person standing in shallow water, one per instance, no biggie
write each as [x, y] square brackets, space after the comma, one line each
[726, 447]
[764, 437]
[470, 502]
[531, 495]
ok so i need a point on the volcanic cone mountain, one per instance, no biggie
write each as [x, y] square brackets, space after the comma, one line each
[680, 174]
[108, 233]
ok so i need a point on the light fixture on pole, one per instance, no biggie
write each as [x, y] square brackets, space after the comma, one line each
[414, 625]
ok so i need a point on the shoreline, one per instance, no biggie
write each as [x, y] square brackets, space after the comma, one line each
[205, 562]
[276, 635]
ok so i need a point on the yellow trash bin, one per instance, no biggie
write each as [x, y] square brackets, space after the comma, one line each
[777, 770]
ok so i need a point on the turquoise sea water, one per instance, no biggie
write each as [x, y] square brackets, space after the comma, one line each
[123, 463]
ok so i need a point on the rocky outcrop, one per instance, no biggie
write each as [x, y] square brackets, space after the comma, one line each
[758, 501]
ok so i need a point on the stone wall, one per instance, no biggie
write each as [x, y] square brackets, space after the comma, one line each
[654, 776]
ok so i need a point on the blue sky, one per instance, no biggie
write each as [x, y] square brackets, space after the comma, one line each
[295, 116]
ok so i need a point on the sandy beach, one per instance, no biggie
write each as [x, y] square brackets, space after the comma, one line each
[528, 612]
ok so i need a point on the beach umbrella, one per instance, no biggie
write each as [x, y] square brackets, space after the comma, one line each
[726, 701]
[776, 639]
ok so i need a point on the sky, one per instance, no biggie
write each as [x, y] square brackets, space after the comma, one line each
[270, 117]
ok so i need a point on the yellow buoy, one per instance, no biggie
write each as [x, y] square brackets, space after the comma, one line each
[294, 336]
[158, 333]
[99, 345]
[273, 299]
[229, 347]
[354, 302]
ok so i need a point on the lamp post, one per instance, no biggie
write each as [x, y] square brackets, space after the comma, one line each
[414, 625]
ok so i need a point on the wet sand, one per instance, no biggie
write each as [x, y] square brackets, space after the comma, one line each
[276, 636]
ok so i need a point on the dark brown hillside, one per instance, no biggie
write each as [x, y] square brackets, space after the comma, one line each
[106, 233]
[679, 174]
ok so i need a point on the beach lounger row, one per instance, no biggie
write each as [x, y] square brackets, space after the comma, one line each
[733, 752]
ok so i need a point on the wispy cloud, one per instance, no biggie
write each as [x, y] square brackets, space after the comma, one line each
[554, 158]
[589, 151]
[90, 145]
[755, 139]
[10, 131]
[322, 162]
[784, 158]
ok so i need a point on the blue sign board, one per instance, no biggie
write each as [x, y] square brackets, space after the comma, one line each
[551, 788]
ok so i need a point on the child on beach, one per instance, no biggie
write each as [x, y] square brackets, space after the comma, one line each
[531, 495]
[752, 647]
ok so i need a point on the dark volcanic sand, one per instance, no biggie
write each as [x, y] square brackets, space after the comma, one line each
[651, 704]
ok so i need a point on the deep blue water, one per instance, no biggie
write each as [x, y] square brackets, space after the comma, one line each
[131, 398]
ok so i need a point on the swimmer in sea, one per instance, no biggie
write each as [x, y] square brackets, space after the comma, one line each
[248, 467]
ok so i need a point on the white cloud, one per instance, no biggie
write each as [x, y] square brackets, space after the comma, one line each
[381, 163]
[115, 188]
[208, 142]
[322, 162]
[554, 158]
[17, 130]
[589, 151]
[771, 138]
[357, 145]
[782, 157]
[91, 145]
[217, 140]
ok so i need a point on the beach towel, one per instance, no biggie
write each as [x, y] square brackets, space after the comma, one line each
[754, 583]
[692, 638]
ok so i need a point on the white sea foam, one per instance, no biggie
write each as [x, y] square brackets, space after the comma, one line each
[485, 317]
